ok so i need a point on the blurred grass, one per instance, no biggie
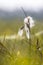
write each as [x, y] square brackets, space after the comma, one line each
[21, 53]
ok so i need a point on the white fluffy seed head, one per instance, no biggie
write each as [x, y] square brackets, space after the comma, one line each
[25, 20]
[20, 32]
[31, 21]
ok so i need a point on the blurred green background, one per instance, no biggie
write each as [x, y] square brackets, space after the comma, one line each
[21, 51]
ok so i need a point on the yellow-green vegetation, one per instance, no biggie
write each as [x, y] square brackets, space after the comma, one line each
[23, 51]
